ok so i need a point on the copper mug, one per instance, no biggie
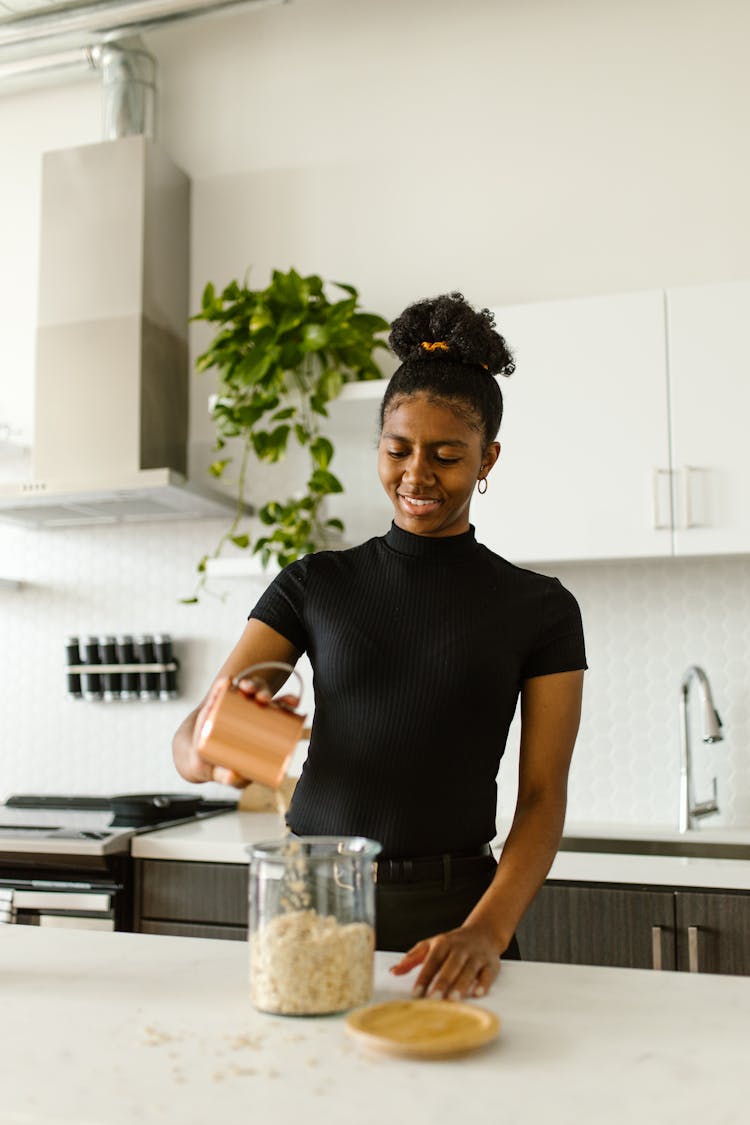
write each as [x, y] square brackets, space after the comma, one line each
[256, 740]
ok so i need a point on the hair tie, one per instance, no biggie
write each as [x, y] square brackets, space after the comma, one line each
[437, 345]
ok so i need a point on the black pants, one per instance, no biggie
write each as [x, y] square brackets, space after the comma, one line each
[407, 912]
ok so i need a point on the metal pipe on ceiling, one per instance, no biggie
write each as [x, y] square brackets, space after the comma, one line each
[87, 23]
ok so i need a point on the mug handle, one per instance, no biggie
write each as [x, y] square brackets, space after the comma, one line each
[279, 664]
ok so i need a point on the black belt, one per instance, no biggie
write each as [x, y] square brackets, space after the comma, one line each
[431, 867]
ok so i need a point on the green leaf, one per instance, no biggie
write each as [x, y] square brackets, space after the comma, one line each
[216, 468]
[260, 320]
[287, 412]
[347, 288]
[291, 355]
[276, 445]
[329, 384]
[247, 416]
[323, 481]
[270, 513]
[288, 288]
[189, 601]
[318, 405]
[208, 300]
[201, 567]
[241, 540]
[204, 362]
[315, 337]
[370, 323]
[337, 525]
[321, 452]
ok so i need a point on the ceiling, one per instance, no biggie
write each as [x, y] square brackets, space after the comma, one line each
[14, 8]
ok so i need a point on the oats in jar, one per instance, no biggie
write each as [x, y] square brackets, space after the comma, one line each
[305, 963]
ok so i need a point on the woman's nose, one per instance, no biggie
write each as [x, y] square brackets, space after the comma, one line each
[417, 469]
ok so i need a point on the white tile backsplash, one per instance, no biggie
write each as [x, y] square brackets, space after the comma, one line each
[645, 623]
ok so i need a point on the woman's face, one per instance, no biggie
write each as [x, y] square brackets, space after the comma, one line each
[429, 461]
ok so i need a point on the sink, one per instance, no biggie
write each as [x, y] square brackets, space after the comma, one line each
[692, 847]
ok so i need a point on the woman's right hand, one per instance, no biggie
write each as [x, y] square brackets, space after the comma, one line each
[255, 687]
[258, 644]
[190, 764]
[187, 756]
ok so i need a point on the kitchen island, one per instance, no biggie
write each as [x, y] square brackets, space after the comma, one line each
[106, 1029]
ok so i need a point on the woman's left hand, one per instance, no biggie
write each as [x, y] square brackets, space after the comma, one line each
[456, 964]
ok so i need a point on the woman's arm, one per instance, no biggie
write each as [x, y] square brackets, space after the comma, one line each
[257, 644]
[466, 961]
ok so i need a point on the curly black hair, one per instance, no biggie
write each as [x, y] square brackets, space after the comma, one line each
[450, 352]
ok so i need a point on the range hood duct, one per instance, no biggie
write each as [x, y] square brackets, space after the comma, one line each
[111, 384]
[128, 89]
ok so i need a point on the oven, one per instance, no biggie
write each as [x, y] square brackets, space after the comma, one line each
[65, 860]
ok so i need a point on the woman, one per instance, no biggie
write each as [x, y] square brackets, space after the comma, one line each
[421, 642]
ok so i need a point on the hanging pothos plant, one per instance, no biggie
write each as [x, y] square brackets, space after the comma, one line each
[282, 353]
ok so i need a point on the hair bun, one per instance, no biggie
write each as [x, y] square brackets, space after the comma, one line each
[448, 328]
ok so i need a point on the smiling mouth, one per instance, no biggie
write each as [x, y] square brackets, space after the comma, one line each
[417, 503]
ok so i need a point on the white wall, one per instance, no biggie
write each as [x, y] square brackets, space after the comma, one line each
[517, 150]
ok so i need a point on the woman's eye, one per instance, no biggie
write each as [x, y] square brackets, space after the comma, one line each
[448, 460]
[396, 453]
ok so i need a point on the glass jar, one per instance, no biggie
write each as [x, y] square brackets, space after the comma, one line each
[312, 923]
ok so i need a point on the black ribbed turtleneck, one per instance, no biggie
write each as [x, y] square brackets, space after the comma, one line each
[418, 647]
[443, 548]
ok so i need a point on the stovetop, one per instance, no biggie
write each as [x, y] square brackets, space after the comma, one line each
[86, 825]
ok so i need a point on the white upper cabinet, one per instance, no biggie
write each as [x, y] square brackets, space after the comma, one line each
[709, 388]
[584, 467]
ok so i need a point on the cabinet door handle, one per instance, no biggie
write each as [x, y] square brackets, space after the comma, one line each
[690, 517]
[656, 948]
[661, 524]
[693, 958]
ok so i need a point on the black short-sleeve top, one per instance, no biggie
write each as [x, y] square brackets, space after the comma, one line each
[419, 647]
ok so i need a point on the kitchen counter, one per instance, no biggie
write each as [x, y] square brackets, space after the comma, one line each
[109, 1029]
[224, 839]
[220, 839]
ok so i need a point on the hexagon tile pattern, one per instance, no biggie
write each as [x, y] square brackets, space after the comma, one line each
[645, 622]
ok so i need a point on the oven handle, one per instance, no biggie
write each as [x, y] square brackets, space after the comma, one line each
[60, 885]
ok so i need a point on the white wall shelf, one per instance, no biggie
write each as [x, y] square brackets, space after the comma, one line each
[245, 566]
[367, 391]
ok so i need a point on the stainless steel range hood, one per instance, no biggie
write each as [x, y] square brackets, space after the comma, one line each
[111, 394]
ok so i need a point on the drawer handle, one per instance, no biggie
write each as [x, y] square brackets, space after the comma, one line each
[691, 478]
[693, 956]
[656, 948]
[662, 477]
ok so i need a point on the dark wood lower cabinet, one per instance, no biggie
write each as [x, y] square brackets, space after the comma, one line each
[713, 932]
[191, 899]
[575, 923]
[639, 928]
[595, 925]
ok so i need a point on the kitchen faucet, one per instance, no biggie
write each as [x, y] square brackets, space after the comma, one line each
[691, 811]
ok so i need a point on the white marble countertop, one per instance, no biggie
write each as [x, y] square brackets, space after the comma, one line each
[651, 870]
[118, 1029]
[217, 839]
[225, 839]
